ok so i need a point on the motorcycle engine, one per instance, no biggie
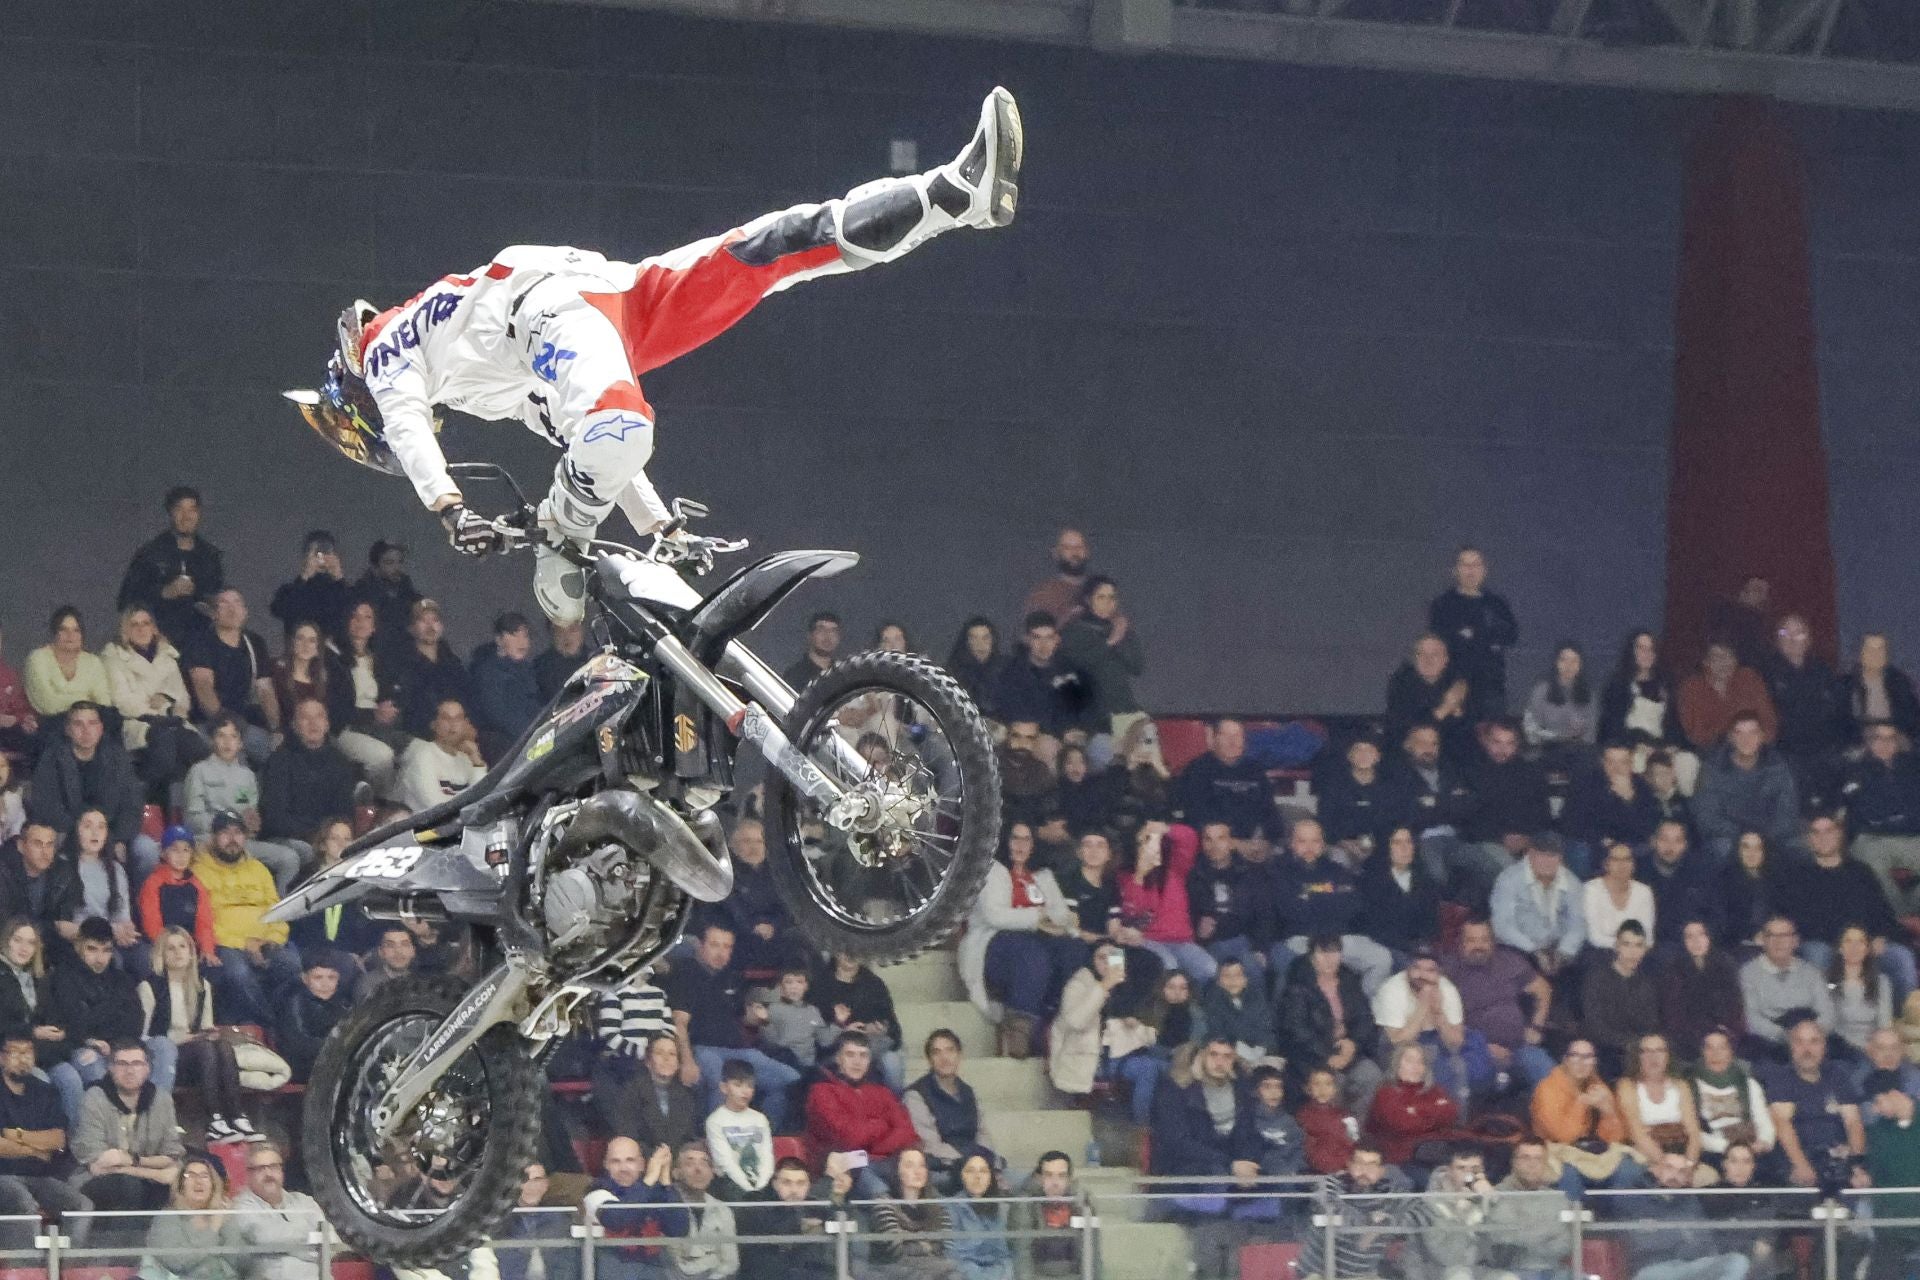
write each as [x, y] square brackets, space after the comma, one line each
[595, 894]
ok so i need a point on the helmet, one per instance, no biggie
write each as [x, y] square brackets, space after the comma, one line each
[342, 412]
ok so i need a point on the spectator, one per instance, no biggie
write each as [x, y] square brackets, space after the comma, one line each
[708, 999]
[848, 1110]
[61, 672]
[1893, 1160]
[1457, 1241]
[1886, 1066]
[1833, 891]
[1744, 621]
[306, 781]
[197, 1238]
[1142, 1049]
[1578, 1115]
[1811, 708]
[1153, 899]
[979, 1218]
[1410, 1109]
[319, 595]
[1562, 714]
[223, 782]
[851, 997]
[1511, 803]
[1099, 640]
[1234, 1011]
[19, 726]
[1325, 1020]
[255, 960]
[1224, 786]
[274, 1221]
[1524, 1225]
[1439, 799]
[393, 958]
[1716, 697]
[905, 1232]
[1611, 803]
[1776, 984]
[1020, 940]
[1656, 1105]
[532, 1220]
[126, 1140]
[1730, 1104]
[566, 650]
[709, 1252]
[228, 669]
[1369, 1192]
[1039, 684]
[1048, 1247]
[1537, 907]
[13, 807]
[786, 1213]
[88, 770]
[178, 573]
[1882, 795]
[1862, 995]
[1419, 1006]
[1088, 800]
[1663, 779]
[143, 673]
[1675, 1248]
[174, 898]
[1275, 1139]
[1359, 806]
[311, 670]
[1876, 689]
[506, 685]
[740, 1139]
[1700, 991]
[944, 1108]
[1399, 900]
[1329, 1129]
[308, 1016]
[629, 1200]
[33, 1141]
[1060, 595]
[103, 884]
[1816, 1109]
[1479, 628]
[793, 1024]
[1752, 889]
[434, 771]
[427, 672]
[763, 931]
[386, 586]
[823, 649]
[1199, 1123]
[654, 1106]
[177, 1004]
[1429, 690]
[369, 672]
[1639, 704]
[1614, 897]
[1028, 786]
[1684, 889]
[1226, 897]
[1504, 1000]
[36, 884]
[347, 930]
[1074, 1044]
[1619, 1000]
[979, 664]
[98, 1005]
[1740, 1198]
[1314, 896]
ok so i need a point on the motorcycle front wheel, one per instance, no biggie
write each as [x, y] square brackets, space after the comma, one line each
[453, 1171]
[905, 878]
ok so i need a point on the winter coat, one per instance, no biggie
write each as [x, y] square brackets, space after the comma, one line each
[303, 1024]
[1305, 1021]
[1406, 1115]
[1685, 891]
[1111, 667]
[993, 912]
[506, 694]
[1706, 714]
[1883, 799]
[302, 787]
[844, 1116]
[1810, 702]
[59, 789]
[63, 892]
[149, 1129]
[1161, 912]
[1902, 702]
[1073, 1054]
[1397, 918]
[159, 561]
[1595, 811]
[1730, 799]
[1479, 631]
[170, 898]
[136, 679]
[1184, 1139]
[95, 1006]
[422, 684]
[1250, 1021]
[1693, 1001]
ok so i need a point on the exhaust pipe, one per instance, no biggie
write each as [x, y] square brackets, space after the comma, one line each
[697, 862]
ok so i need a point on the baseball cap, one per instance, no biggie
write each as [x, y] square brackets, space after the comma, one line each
[175, 834]
[226, 818]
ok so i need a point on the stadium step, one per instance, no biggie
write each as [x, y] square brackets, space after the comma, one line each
[931, 977]
[1023, 1136]
[921, 1019]
[1006, 1084]
[1143, 1251]
[1112, 1191]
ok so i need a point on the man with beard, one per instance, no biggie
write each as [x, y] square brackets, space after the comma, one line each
[1504, 999]
[1060, 594]
[823, 648]
[1439, 798]
[1369, 1192]
[33, 1145]
[1228, 899]
[386, 586]
[1511, 803]
[255, 961]
[427, 672]
[1026, 780]
[1224, 786]
[175, 573]
[1421, 1006]
[793, 1208]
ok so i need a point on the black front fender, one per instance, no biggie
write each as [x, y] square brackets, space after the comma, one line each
[740, 602]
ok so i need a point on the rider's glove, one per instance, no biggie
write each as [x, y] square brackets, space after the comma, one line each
[470, 534]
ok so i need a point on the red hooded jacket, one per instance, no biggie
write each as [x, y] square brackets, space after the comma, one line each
[844, 1116]
[1164, 906]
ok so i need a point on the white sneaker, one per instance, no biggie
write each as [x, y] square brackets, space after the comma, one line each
[220, 1130]
[987, 170]
[244, 1127]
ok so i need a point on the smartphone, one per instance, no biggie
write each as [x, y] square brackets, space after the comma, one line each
[1118, 963]
[854, 1159]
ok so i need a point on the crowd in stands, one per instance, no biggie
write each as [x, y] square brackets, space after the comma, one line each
[1655, 931]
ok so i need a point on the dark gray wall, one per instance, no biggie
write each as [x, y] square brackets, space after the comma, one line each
[1278, 338]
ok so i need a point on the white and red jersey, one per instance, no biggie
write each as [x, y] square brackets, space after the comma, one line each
[450, 345]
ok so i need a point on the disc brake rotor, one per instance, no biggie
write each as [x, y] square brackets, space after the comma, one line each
[437, 1147]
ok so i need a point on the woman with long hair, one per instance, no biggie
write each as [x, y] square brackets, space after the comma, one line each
[1562, 718]
[1153, 897]
[979, 1215]
[1750, 888]
[23, 992]
[1700, 991]
[1657, 1106]
[904, 1232]
[1169, 1019]
[1731, 1105]
[360, 650]
[1089, 798]
[61, 672]
[1614, 897]
[1410, 1108]
[143, 669]
[182, 1243]
[1638, 704]
[1862, 996]
[179, 1006]
[103, 884]
[1400, 900]
[1876, 689]
[309, 669]
[978, 662]
[1100, 641]
[1019, 948]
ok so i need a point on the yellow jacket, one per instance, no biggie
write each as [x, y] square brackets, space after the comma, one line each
[240, 892]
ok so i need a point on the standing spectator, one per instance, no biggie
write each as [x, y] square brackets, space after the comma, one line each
[1816, 1108]
[1882, 795]
[1060, 594]
[1862, 995]
[386, 586]
[1410, 1109]
[1236, 1012]
[19, 726]
[1536, 907]
[306, 781]
[143, 671]
[1746, 786]
[709, 1252]
[228, 669]
[1776, 984]
[427, 672]
[1562, 716]
[1524, 1225]
[33, 1141]
[1752, 885]
[852, 997]
[276, 1223]
[1700, 992]
[126, 1140]
[1656, 1105]
[1227, 899]
[849, 1110]
[763, 929]
[37, 885]
[1731, 1106]
[197, 1238]
[174, 898]
[1224, 786]
[1324, 1019]
[98, 1005]
[979, 664]
[1639, 704]
[1811, 707]
[1614, 897]
[255, 960]
[1511, 803]
[311, 670]
[739, 1137]
[1153, 899]
[309, 1015]
[1315, 896]
[434, 771]
[1832, 891]
[88, 770]
[178, 1006]
[979, 1244]
[369, 667]
[1019, 943]
[1878, 690]
[1503, 999]
[566, 650]
[1419, 1006]
[1429, 689]
[1745, 620]
[1684, 888]
[708, 998]
[222, 783]
[1619, 1002]
[1073, 1055]
[61, 672]
[1100, 641]
[177, 573]
[822, 651]
[1610, 803]
[319, 594]
[1678, 1244]
[1041, 685]
[1578, 1115]
[1359, 806]
[506, 685]
[1716, 697]
[1479, 628]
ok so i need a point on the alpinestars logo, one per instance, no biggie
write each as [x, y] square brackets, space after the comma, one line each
[615, 427]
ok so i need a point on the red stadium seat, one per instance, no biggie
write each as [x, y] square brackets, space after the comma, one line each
[153, 822]
[352, 1269]
[233, 1159]
[1604, 1257]
[1272, 1261]
[592, 1153]
[796, 1147]
[571, 1088]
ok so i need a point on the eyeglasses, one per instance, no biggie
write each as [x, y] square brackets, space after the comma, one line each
[261, 1168]
[1578, 1053]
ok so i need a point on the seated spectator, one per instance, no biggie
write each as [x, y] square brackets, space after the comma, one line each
[655, 1106]
[387, 588]
[1199, 1123]
[1562, 716]
[1674, 1248]
[1399, 899]
[1775, 984]
[739, 1138]
[1028, 787]
[103, 885]
[1619, 1001]
[1878, 690]
[763, 929]
[1881, 792]
[1368, 1191]
[905, 1231]
[228, 669]
[1224, 786]
[629, 1200]
[1233, 1009]
[126, 1139]
[979, 663]
[1153, 899]
[1458, 1242]
[1439, 800]
[794, 1026]
[1639, 704]
[1862, 995]
[1524, 1225]
[566, 650]
[1536, 907]
[33, 1142]
[98, 1005]
[62, 672]
[362, 654]
[849, 1110]
[309, 1015]
[1886, 1066]
[1088, 798]
[1610, 803]
[223, 782]
[1420, 1006]
[945, 1110]
[306, 780]
[1510, 803]
[1274, 1138]
[1752, 889]
[1359, 805]
[1324, 1019]
[24, 993]
[1614, 897]
[1504, 1000]
[1313, 896]
[1700, 992]
[1428, 690]
[277, 1224]
[19, 726]
[1042, 685]
[1833, 891]
[87, 770]
[174, 898]
[852, 997]
[434, 771]
[1740, 1198]
[38, 884]
[823, 649]
[1745, 786]
[1656, 1106]
[1893, 1160]
[13, 804]
[1721, 693]
[708, 998]
[1809, 703]
[1816, 1109]
[979, 1220]
[345, 930]
[1047, 1247]
[1142, 1048]
[311, 670]
[1663, 779]
[1329, 1130]
[178, 1005]
[506, 685]
[143, 671]
[560, 1259]
[1226, 896]
[1019, 944]
[426, 672]
[798, 1213]
[1731, 1106]
[1684, 888]
[1580, 1118]
[255, 960]
[710, 1252]
[393, 958]
[1073, 1054]
[1410, 1109]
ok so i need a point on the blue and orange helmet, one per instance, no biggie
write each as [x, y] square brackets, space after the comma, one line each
[342, 411]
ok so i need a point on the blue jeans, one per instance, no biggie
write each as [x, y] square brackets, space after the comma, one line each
[771, 1077]
[1897, 964]
[1716, 1266]
[1029, 970]
[1241, 949]
[1373, 962]
[73, 1076]
[1189, 958]
[1142, 1070]
[1630, 1173]
[1467, 1070]
[243, 993]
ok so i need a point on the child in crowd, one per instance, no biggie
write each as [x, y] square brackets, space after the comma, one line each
[1283, 1147]
[174, 898]
[739, 1138]
[795, 1025]
[1330, 1130]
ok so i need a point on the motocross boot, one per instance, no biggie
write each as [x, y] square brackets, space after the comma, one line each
[559, 585]
[884, 219]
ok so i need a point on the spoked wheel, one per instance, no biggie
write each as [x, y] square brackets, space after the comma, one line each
[454, 1169]
[903, 875]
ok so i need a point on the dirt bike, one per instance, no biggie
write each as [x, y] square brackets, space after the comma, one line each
[573, 864]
